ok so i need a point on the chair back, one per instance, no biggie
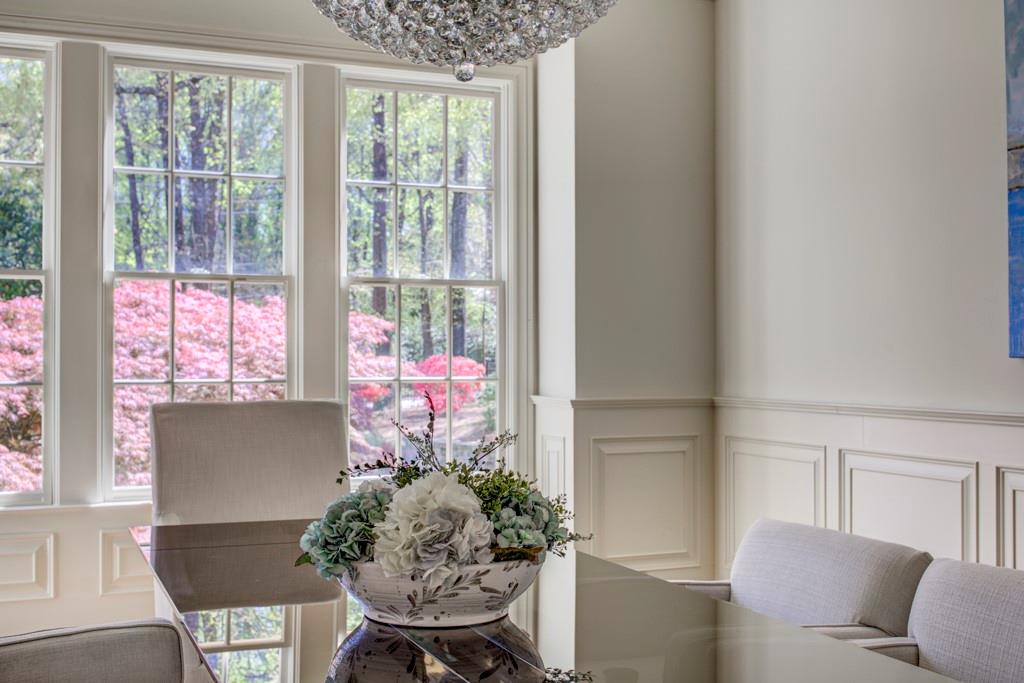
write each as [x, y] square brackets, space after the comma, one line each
[811, 576]
[968, 620]
[245, 461]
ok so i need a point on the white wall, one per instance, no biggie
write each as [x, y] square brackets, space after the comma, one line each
[862, 236]
[862, 275]
[645, 201]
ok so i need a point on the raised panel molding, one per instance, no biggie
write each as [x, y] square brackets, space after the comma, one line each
[122, 567]
[926, 503]
[26, 567]
[773, 479]
[663, 473]
[552, 465]
[1011, 518]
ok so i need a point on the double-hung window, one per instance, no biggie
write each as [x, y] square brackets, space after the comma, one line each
[199, 247]
[424, 272]
[26, 278]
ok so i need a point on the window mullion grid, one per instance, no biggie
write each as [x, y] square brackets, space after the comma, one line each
[229, 247]
[449, 413]
[231, 340]
[174, 306]
[444, 187]
[398, 368]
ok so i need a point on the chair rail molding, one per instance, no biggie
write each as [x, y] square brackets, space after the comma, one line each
[917, 501]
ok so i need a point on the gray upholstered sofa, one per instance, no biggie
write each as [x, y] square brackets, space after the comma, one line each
[846, 586]
[135, 652]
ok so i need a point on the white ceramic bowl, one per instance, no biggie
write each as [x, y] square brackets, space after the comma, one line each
[478, 593]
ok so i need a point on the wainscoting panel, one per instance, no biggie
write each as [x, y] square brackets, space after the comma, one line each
[926, 503]
[663, 471]
[122, 567]
[1011, 518]
[947, 481]
[26, 567]
[772, 479]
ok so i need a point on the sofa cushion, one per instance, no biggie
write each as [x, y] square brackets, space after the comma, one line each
[807, 575]
[968, 620]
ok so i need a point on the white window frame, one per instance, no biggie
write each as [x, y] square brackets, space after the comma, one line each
[47, 53]
[506, 233]
[285, 643]
[216, 64]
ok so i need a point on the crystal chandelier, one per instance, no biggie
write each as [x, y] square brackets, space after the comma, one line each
[463, 34]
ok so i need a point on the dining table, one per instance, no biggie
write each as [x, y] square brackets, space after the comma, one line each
[246, 612]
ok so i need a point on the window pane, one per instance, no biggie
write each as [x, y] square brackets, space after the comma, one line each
[474, 332]
[370, 130]
[257, 126]
[142, 329]
[21, 439]
[140, 222]
[475, 417]
[421, 233]
[424, 331]
[21, 331]
[261, 331]
[470, 141]
[371, 408]
[21, 109]
[21, 217]
[131, 431]
[370, 236]
[420, 138]
[254, 666]
[257, 623]
[200, 217]
[415, 415]
[207, 627]
[141, 116]
[201, 319]
[471, 235]
[200, 125]
[260, 392]
[371, 332]
[257, 216]
[200, 393]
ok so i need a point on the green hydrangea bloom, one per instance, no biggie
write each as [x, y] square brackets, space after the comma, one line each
[345, 533]
[528, 523]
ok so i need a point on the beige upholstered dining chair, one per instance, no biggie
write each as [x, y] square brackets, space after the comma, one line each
[136, 652]
[967, 623]
[842, 585]
[244, 462]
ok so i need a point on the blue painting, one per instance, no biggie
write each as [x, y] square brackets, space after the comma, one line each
[1015, 152]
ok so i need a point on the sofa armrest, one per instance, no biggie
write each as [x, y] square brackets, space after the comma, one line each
[142, 652]
[719, 590]
[903, 649]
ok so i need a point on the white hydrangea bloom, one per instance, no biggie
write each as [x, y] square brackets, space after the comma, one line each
[432, 527]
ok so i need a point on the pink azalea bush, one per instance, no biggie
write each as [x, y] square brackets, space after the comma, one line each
[142, 319]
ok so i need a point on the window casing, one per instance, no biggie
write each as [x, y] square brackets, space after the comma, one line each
[425, 274]
[27, 280]
[200, 247]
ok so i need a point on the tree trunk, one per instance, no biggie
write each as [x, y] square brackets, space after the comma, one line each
[457, 236]
[134, 205]
[381, 206]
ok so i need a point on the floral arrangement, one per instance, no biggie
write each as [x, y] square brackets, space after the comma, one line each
[426, 518]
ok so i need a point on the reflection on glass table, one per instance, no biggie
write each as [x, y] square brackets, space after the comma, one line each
[248, 614]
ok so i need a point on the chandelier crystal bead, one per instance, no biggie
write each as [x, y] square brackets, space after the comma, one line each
[463, 34]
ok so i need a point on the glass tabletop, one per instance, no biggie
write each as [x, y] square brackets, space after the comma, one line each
[237, 597]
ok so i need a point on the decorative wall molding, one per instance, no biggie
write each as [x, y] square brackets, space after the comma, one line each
[122, 567]
[553, 475]
[26, 566]
[1010, 518]
[798, 467]
[673, 487]
[625, 403]
[894, 412]
[901, 526]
